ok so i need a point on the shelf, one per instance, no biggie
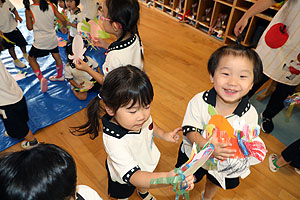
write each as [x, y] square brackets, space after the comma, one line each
[221, 15]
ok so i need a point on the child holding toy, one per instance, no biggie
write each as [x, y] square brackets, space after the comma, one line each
[8, 29]
[128, 132]
[233, 70]
[77, 78]
[120, 18]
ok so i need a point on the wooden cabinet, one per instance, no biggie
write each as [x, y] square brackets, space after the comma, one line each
[217, 18]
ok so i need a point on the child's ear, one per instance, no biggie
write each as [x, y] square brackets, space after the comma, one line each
[109, 111]
[211, 78]
[116, 26]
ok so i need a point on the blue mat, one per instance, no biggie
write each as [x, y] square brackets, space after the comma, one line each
[286, 130]
[58, 102]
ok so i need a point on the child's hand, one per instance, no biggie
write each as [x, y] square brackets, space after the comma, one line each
[221, 151]
[172, 136]
[81, 65]
[64, 30]
[18, 18]
[1, 33]
[190, 181]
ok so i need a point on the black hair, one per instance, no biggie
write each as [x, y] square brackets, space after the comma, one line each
[122, 86]
[77, 2]
[3, 1]
[44, 5]
[44, 172]
[236, 50]
[126, 13]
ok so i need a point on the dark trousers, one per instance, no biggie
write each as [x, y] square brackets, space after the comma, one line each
[292, 154]
[275, 103]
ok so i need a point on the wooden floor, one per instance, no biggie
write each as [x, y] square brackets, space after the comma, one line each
[175, 60]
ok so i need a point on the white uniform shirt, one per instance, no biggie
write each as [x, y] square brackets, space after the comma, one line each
[74, 18]
[7, 21]
[283, 64]
[127, 52]
[87, 193]
[90, 8]
[77, 75]
[43, 27]
[10, 92]
[129, 151]
[197, 116]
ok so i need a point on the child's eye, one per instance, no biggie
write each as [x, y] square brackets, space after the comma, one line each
[243, 77]
[225, 74]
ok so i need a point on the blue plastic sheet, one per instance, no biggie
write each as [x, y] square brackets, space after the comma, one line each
[58, 102]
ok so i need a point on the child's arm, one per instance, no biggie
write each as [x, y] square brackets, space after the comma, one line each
[60, 17]
[221, 151]
[17, 16]
[170, 136]
[141, 179]
[29, 21]
[85, 67]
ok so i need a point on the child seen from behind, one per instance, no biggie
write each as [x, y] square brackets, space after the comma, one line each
[128, 132]
[45, 172]
[120, 18]
[232, 70]
[39, 18]
[8, 29]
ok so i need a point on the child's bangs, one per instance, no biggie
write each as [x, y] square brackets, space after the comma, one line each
[143, 96]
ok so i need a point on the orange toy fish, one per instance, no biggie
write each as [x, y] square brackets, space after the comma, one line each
[224, 131]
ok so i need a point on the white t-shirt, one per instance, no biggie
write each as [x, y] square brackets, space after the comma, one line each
[127, 52]
[90, 8]
[43, 27]
[197, 116]
[77, 75]
[129, 151]
[7, 20]
[74, 18]
[10, 92]
[87, 193]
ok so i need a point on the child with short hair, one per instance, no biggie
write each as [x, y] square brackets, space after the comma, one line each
[8, 28]
[39, 18]
[77, 78]
[75, 16]
[13, 108]
[45, 172]
[120, 18]
[232, 70]
[128, 132]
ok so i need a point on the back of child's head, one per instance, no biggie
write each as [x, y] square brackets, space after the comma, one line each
[126, 13]
[43, 5]
[2, 1]
[123, 86]
[44, 172]
[236, 51]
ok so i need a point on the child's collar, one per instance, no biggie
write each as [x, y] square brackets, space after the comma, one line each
[113, 129]
[210, 97]
[117, 45]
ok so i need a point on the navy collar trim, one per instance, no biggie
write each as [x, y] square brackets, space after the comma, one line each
[113, 129]
[210, 97]
[117, 45]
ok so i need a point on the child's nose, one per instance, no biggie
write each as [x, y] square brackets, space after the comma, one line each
[233, 80]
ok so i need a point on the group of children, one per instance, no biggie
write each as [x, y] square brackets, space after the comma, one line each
[123, 104]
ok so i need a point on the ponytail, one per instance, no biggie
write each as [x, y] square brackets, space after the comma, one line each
[92, 126]
[44, 5]
[26, 4]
